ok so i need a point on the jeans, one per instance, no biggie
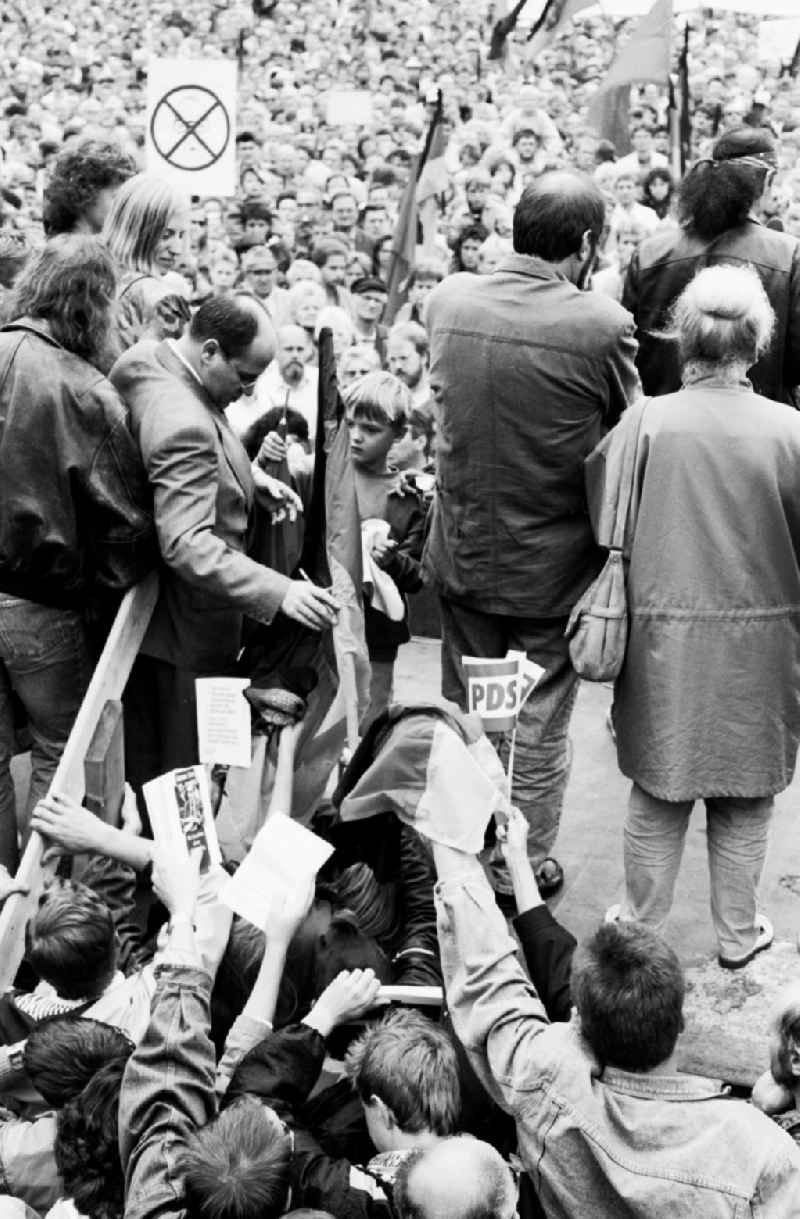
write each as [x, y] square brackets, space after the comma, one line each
[542, 762]
[45, 660]
[737, 831]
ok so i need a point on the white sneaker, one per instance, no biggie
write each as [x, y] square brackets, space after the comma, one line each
[766, 934]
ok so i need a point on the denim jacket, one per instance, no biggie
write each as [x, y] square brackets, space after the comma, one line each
[167, 1092]
[602, 1143]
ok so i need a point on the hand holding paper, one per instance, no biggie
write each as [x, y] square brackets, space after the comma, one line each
[288, 908]
[275, 876]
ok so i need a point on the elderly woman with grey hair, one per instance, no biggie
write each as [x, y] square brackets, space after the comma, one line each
[707, 706]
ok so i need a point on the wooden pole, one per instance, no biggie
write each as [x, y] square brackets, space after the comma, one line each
[108, 682]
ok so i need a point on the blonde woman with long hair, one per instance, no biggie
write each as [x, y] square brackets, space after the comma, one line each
[146, 233]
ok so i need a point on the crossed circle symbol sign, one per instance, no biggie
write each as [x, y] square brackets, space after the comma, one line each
[190, 127]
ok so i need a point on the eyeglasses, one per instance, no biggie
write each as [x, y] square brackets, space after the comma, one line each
[247, 383]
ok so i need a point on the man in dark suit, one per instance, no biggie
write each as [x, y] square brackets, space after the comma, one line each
[177, 391]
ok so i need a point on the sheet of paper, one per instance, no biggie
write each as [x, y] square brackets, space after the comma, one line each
[179, 805]
[283, 858]
[223, 721]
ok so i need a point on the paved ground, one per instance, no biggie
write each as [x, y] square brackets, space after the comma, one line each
[590, 850]
[590, 842]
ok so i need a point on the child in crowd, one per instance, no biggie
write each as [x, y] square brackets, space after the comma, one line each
[611, 279]
[424, 277]
[392, 522]
[628, 210]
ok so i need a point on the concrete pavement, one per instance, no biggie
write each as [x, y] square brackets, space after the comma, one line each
[727, 1012]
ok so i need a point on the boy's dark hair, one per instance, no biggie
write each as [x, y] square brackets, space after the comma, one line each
[71, 941]
[238, 1166]
[554, 213]
[719, 194]
[78, 177]
[62, 1055]
[87, 1151]
[628, 986]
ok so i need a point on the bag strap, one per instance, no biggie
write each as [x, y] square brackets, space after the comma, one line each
[626, 480]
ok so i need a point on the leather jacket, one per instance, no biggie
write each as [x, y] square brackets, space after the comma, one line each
[666, 262]
[75, 517]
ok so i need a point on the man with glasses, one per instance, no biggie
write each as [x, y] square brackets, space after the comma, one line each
[177, 392]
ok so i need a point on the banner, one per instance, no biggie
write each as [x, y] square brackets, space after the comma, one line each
[498, 688]
[190, 135]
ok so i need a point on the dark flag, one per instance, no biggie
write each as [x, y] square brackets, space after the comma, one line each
[644, 57]
[680, 113]
[427, 177]
[285, 652]
[502, 29]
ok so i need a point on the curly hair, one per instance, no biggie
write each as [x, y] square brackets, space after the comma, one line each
[87, 1153]
[79, 175]
[718, 194]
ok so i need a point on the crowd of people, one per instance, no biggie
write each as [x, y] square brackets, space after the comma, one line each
[594, 351]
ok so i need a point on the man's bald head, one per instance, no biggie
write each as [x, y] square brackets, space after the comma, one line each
[289, 335]
[456, 1178]
[554, 213]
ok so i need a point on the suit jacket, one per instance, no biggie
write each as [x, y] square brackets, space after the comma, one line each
[203, 493]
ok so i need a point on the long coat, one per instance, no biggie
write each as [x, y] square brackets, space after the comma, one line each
[708, 701]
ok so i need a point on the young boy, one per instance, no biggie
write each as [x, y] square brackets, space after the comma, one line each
[392, 522]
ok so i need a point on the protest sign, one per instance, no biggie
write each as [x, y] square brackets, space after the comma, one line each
[493, 691]
[190, 136]
[349, 108]
[223, 721]
[283, 858]
[179, 806]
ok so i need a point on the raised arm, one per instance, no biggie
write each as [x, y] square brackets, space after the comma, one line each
[168, 1086]
[496, 1013]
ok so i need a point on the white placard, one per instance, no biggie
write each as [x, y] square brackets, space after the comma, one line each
[283, 858]
[223, 721]
[349, 108]
[191, 124]
[778, 39]
[179, 805]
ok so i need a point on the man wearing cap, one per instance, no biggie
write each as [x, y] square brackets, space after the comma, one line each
[368, 300]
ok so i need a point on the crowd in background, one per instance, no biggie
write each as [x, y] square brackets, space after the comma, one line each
[159, 1057]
